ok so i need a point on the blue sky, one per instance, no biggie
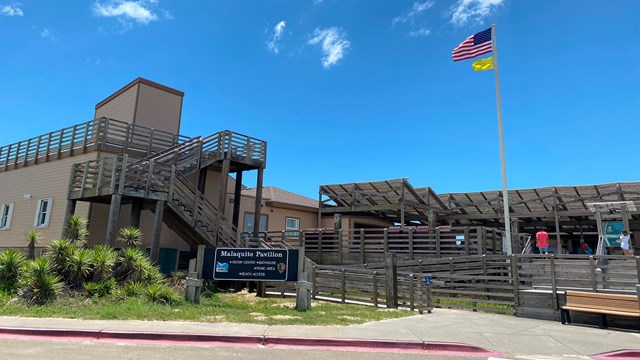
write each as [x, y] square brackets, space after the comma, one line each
[348, 91]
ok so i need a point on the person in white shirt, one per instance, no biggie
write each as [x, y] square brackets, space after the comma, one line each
[624, 243]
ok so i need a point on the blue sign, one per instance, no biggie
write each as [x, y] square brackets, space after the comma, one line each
[255, 264]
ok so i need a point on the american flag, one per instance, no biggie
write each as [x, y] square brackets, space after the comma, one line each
[475, 45]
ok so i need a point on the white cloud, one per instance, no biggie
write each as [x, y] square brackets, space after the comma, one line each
[472, 11]
[420, 32]
[334, 44]
[277, 34]
[11, 10]
[416, 10]
[126, 11]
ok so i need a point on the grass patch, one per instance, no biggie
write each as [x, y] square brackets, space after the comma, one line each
[217, 307]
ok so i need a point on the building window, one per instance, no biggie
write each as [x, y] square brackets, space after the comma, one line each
[248, 223]
[6, 212]
[292, 224]
[43, 212]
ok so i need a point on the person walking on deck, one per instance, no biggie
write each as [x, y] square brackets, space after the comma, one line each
[542, 241]
[624, 242]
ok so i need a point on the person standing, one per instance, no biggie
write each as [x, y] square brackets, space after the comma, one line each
[624, 243]
[542, 241]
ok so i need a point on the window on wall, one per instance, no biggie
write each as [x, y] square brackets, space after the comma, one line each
[248, 222]
[43, 212]
[291, 224]
[6, 212]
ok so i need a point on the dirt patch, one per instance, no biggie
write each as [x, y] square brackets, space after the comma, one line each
[258, 316]
[217, 318]
[284, 317]
[288, 305]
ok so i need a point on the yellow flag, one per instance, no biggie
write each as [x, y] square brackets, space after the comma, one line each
[483, 64]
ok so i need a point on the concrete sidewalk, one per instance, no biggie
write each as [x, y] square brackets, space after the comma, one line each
[470, 332]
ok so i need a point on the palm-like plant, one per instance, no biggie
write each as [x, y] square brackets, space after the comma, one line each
[59, 252]
[130, 236]
[32, 237]
[42, 285]
[11, 263]
[131, 264]
[78, 267]
[76, 228]
[103, 260]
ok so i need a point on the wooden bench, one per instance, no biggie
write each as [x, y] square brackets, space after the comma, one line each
[602, 304]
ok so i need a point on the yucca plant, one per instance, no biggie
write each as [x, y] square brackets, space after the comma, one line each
[100, 288]
[78, 267]
[130, 264]
[59, 252]
[76, 228]
[103, 258]
[130, 236]
[128, 290]
[32, 237]
[11, 264]
[42, 285]
[161, 294]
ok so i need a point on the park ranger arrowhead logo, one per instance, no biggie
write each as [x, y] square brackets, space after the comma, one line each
[281, 267]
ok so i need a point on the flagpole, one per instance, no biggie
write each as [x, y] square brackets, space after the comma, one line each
[505, 193]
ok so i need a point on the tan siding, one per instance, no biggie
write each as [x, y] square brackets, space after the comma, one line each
[45, 180]
[158, 109]
[121, 107]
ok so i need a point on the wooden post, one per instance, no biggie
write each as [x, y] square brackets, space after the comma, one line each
[450, 266]
[114, 213]
[157, 227]
[638, 268]
[374, 289]
[391, 277]
[343, 285]
[320, 246]
[386, 240]
[410, 243]
[515, 280]
[303, 286]
[222, 196]
[554, 285]
[555, 215]
[412, 288]
[438, 253]
[362, 254]
[494, 237]
[199, 266]
[136, 211]
[237, 198]
[340, 250]
[202, 180]
[258, 204]
[625, 218]
[71, 210]
[466, 241]
[314, 281]
[594, 279]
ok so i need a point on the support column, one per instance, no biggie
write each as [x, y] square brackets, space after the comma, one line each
[136, 211]
[224, 177]
[114, 213]
[319, 209]
[258, 206]
[157, 228]
[516, 248]
[558, 241]
[625, 218]
[237, 196]
[202, 179]
[71, 210]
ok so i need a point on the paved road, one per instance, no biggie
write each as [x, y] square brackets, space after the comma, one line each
[88, 350]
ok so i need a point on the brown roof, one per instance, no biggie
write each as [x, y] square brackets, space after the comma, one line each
[271, 193]
[140, 81]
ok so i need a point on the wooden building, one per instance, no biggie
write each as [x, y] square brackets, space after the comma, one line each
[130, 166]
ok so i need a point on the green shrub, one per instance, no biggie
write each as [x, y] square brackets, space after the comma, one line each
[59, 252]
[11, 264]
[79, 267]
[128, 290]
[32, 237]
[103, 257]
[100, 288]
[42, 285]
[76, 229]
[130, 236]
[161, 294]
[133, 264]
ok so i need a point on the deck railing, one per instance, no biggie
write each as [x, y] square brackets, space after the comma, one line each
[138, 141]
[150, 180]
[360, 246]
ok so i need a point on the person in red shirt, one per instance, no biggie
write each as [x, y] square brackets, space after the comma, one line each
[542, 241]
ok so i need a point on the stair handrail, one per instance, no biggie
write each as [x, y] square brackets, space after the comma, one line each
[527, 246]
[600, 249]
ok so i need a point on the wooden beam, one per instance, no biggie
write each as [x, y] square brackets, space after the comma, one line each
[237, 198]
[112, 225]
[258, 204]
[157, 228]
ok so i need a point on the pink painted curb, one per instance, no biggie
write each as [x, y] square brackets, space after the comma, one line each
[249, 340]
[618, 355]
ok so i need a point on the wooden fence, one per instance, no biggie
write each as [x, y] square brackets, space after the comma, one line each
[478, 283]
[361, 246]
